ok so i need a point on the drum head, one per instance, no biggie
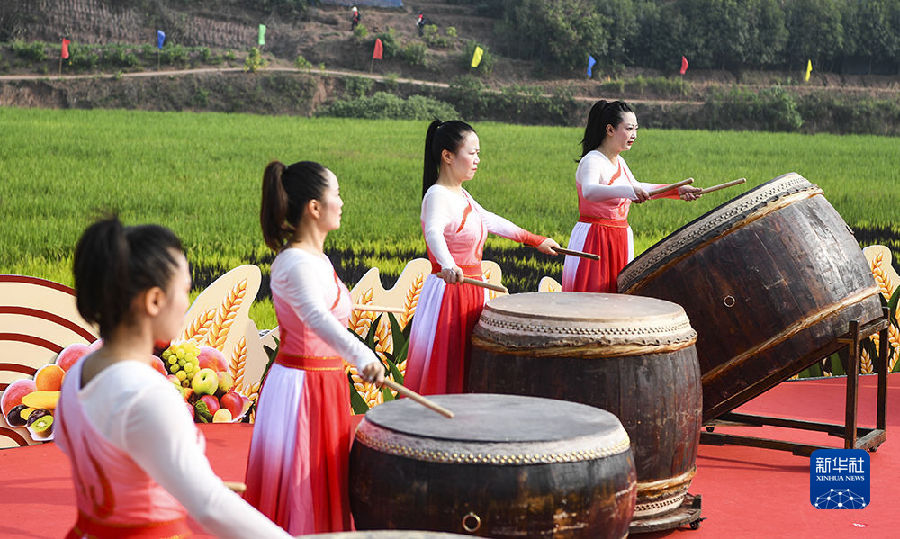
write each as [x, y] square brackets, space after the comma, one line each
[749, 205]
[491, 428]
[542, 319]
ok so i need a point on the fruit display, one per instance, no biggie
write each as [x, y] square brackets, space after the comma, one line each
[201, 374]
[32, 403]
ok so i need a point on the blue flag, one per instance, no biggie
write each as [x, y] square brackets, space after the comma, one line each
[591, 63]
[160, 38]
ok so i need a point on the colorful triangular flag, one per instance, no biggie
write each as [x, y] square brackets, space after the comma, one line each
[476, 56]
[160, 39]
[591, 63]
[376, 52]
[808, 70]
[262, 35]
[684, 66]
[64, 52]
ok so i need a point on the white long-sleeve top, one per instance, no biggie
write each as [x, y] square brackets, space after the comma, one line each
[443, 215]
[312, 305]
[138, 411]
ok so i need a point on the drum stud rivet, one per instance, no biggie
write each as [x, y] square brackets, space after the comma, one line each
[471, 522]
[728, 301]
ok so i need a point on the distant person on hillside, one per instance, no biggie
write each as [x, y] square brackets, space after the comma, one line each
[299, 462]
[420, 24]
[606, 188]
[354, 18]
[455, 228]
[137, 458]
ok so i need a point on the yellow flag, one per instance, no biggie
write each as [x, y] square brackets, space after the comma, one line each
[808, 70]
[476, 58]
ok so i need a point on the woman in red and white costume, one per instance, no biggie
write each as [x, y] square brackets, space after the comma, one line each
[455, 229]
[298, 467]
[606, 189]
[137, 458]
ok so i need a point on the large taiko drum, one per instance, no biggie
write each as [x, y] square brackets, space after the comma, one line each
[504, 466]
[632, 356]
[769, 280]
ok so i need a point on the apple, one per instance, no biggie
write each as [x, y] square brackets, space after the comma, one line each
[226, 382]
[211, 358]
[233, 403]
[71, 354]
[96, 345]
[12, 397]
[205, 382]
[212, 403]
[159, 365]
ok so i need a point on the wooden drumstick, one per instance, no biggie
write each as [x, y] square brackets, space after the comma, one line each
[667, 188]
[722, 186]
[236, 486]
[572, 252]
[406, 392]
[377, 308]
[485, 284]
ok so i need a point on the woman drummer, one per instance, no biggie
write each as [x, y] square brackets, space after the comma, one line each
[455, 228]
[606, 189]
[298, 466]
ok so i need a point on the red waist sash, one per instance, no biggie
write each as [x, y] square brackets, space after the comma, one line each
[91, 527]
[612, 223]
[310, 363]
[472, 271]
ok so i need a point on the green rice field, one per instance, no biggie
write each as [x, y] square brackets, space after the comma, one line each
[200, 174]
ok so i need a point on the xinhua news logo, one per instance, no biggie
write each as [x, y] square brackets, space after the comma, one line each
[839, 479]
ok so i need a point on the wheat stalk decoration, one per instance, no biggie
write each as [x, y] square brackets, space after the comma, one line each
[225, 315]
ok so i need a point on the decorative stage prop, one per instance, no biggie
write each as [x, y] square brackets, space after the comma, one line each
[402, 299]
[504, 466]
[630, 355]
[770, 280]
[41, 328]
[38, 319]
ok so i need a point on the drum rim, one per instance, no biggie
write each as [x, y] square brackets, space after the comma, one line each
[520, 329]
[718, 220]
[426, 449]
[404, 428]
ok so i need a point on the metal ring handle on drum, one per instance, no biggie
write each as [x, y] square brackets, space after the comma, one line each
[471, 522]
[728, 301]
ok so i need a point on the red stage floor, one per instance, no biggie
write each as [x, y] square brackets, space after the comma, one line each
[747, 492]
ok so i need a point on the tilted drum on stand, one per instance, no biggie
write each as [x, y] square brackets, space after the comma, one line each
[629, 355]
[768, 279]
[503, 466]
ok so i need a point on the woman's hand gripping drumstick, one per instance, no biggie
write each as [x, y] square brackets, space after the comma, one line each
[667, 188]
[455, 275]
[409, 393]
[722, 186]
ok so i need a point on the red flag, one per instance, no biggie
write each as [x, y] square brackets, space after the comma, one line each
[376, 52]
[684, 66]
[64, 53]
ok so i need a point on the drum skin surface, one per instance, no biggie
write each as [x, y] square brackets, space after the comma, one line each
[768, 279]
[503, 466]
[630, 355]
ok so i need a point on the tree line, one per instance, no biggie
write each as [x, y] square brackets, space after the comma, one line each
[850, 36]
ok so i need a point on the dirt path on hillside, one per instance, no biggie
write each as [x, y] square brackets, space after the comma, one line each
[329, 72]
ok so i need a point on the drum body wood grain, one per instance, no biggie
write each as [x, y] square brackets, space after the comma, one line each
[504, 466]
[768, 280]
[629, 355]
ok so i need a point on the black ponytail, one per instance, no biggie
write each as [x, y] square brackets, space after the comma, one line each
[441, 136]
[602, 113]
[114, 263]
[285, 193]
